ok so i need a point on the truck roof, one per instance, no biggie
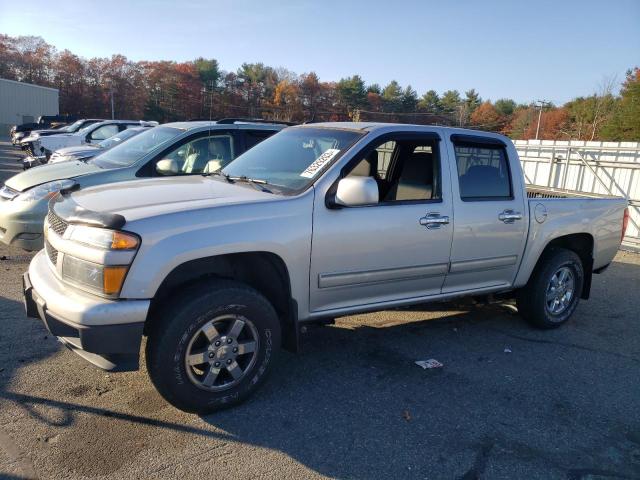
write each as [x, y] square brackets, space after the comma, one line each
[392, 127]
[191, 125]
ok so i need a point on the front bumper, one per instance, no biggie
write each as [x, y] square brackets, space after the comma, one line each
[21, 223]
[106, 333]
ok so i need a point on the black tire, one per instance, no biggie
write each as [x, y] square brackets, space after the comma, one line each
[174, 332]
[532, 299]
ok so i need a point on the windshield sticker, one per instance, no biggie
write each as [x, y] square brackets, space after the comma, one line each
[313, 169]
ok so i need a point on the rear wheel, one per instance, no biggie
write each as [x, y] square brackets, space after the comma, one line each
[213, 348]
[553, 291]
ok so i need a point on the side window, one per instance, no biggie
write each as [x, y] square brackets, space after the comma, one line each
[483, 172]
[404, 170]
[202, 155]
[254, 137]
[104, 132]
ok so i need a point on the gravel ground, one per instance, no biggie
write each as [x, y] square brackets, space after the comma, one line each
[509, 402]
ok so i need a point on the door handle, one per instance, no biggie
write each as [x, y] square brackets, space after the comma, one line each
[509, 216]
[433, 220]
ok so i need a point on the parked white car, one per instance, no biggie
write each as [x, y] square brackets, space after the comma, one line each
[90, 150]
[92, 134]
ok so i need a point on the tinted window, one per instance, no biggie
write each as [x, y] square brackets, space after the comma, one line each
[483, 172]
[254, 137]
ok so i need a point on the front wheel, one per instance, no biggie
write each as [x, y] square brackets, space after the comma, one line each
[212, 348]
[554, 289]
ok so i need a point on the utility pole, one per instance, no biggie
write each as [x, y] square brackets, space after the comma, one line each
[541, 104]
[112, 111]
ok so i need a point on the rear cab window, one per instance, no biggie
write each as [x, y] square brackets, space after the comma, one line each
[483, 172]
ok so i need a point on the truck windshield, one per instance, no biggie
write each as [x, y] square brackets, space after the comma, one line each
[292, 159]
[129, 152]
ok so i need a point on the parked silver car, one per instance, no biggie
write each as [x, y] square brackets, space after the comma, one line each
[183, 148]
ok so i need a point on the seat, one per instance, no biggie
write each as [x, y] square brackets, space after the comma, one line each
[480, 179]
[204, 151]
[416, 179]
[197, 155]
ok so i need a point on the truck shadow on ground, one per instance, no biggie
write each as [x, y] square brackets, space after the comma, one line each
[353, 404]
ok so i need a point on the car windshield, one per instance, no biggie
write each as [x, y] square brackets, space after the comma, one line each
[118, 138]
[129, 152]
[293, 158]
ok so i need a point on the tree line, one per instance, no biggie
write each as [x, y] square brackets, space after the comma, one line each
[168, 91]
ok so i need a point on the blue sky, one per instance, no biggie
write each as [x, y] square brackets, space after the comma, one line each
[539, 49]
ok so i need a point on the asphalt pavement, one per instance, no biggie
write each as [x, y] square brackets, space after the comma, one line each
[509, 401]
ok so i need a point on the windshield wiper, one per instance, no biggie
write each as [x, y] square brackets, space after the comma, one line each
[220, 174]
[257, 182]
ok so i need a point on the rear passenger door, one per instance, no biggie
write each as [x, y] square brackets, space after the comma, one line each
[490, 217]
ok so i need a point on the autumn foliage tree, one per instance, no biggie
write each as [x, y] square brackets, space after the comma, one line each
[487, 116]
[168, 91]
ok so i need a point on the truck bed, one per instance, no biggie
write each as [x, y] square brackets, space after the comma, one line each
[536, 191]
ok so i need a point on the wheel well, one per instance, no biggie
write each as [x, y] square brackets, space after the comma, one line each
[582, 245]
[264, 271]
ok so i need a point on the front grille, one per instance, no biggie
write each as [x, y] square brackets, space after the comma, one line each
[52, 253]
[56, 223]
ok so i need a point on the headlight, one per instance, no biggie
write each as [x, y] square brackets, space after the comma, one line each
[46, 190]
[104, 238]
[102, 279]
[8, 193]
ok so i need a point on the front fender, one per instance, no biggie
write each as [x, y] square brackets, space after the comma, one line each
[168, 241]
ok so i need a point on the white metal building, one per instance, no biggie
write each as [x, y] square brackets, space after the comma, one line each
[24, 102]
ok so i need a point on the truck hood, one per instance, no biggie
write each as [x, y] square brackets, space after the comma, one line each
[48, 173]
[138, 199]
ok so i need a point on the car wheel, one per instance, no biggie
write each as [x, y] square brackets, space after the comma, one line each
[553, 291]
[212, 348]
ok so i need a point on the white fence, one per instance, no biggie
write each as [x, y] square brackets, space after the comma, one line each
[594, 167]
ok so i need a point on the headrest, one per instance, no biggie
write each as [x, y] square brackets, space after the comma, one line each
[418, 167]
[368, 166]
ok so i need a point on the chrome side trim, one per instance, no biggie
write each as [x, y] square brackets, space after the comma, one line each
[483, 264]
[343, 279]
[377, 306]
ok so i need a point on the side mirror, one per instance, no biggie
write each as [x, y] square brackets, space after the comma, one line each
[356, 191]
[168, 166]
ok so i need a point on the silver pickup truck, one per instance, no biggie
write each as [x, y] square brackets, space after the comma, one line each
[220, 270]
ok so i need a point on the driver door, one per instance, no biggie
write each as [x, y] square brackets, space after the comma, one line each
[388, 251]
